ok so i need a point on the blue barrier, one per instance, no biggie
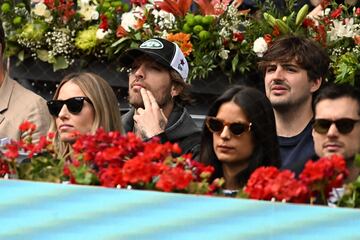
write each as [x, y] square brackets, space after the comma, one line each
[34, 210]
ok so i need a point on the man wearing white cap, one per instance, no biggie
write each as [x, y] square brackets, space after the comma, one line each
[158, 92]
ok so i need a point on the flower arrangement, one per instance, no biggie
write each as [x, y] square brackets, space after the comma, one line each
[110, 160]
[314, 185]
[213, 35]
[113, 160]
[342, 26]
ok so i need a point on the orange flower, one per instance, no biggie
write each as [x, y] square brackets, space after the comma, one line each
[268, 38]
[357, 39]
[121, 32]
[183, 40]
[176, 7]
[276, 31]
[140, 23]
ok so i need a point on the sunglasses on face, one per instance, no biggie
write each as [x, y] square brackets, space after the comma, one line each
[216, 125]
[74, 105]
[343, 125]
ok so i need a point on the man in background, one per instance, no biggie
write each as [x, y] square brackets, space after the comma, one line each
[18, 104]
[158, 93]
[336, 128]
[294, 69]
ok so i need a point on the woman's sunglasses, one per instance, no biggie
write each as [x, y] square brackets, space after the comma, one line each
[343, 125]
[216, 125]
[74, 105]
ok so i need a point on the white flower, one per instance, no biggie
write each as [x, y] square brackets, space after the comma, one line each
[224, 54]
[88, 11]
[341, 30]
[40, 9]
[260, 46]
[101, 34]
[164, 19]
[327, 11]
[84, 2]
[130, 19]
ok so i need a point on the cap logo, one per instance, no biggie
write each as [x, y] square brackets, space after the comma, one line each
[180, 65]
[152, 44]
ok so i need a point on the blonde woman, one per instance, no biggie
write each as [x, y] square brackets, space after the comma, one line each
[83, 102]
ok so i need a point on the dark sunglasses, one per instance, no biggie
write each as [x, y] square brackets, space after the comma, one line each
[74, 105]
[343, 125]
[217, 126]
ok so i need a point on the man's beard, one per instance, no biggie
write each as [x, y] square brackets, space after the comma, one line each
[287, 105]
[136, 100]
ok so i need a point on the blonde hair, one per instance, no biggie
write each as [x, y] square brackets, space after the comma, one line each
[104, 102]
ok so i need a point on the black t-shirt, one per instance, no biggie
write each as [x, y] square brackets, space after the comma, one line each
[296, 151]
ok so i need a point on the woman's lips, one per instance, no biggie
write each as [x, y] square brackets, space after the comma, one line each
[224, 148]
[66, 127]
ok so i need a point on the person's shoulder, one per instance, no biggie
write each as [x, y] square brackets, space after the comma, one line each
[26, 95]
[19, 89]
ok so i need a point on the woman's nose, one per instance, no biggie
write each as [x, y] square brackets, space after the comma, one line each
[225, 133]
[64, 112]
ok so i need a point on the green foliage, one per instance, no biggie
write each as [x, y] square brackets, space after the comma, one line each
[351, 197]
[347, 68]
[43, 167]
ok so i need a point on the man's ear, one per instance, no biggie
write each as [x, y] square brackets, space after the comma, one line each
[316, 84]
[175, 90]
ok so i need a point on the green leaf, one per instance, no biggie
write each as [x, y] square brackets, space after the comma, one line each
[137, 36]
[21, 55]
[60, 63]
[357, 160]
[43, 55]
[121, 40]
[235, 62]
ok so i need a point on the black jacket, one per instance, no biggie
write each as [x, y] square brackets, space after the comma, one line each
[181, 129]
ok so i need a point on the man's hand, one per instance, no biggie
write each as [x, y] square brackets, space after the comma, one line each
[150, 120]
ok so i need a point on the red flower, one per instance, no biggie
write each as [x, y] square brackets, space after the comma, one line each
[174, 179]
[111, 177]
[27, 126]
[357, 12]
[308, 23]
[267, 183]
[337, 12]
[321, 35]
[111, 159]
[324, 175]
[4, 168]
[104, 23]
[139, 170]
[12, 151]
[238, 37]
[50, 3]
[138, 2]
